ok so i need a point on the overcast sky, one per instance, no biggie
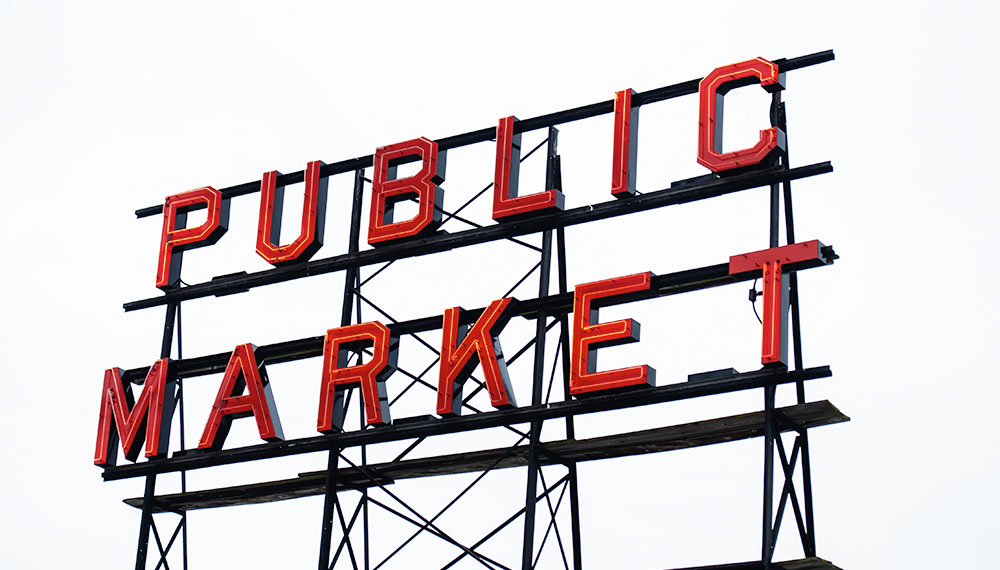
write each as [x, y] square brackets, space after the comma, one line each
[106, 107]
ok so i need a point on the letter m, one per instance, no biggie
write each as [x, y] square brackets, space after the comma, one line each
[123, 418]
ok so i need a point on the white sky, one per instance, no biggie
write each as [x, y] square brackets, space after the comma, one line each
[106, 107]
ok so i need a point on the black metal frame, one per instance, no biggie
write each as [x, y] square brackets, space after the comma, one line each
[549, 310]
[331, 500]
[774, 420]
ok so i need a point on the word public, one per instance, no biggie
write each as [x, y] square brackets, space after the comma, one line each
[423, 187]
[245, 391]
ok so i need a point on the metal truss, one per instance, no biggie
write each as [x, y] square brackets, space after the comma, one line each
[395, 505]
[354, 488]
[147, 523]
[774, 420]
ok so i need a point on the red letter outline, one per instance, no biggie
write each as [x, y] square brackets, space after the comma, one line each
[507, 205]
[626, 144]
[774, 343]
[589, 335]
[478, 344]
[242, 373]
[711, 92]
[123, 418]
[176, 239]
[371, 376]
[387, 191]
[313, 217]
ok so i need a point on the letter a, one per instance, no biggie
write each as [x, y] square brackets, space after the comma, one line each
[242, 372]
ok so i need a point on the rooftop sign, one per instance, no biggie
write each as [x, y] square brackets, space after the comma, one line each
[365, 355]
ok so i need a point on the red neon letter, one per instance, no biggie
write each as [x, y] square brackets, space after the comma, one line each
[371, 375]
[589, 335]
[242, 372]
[626, 144]
[121, 418]
[177, 239]
[711, 92]
[387, 191]
[774, 350]
[313, 214]
[478, 344]
[506, 203]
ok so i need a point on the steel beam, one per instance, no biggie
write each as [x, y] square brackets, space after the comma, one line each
[482, 135]
[350, 282]
[538, 376]
[484, 420]
[146, 519]
[657, 440]
[557, 304]
[680, 193]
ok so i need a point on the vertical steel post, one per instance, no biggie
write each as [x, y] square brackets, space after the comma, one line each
[768, 529]
[146, 521]
[809, 544]
[183, 443]
[775, 214]
[574, 491]
[329, 504]
[767, 538]
[364, 454]
[350, 282]
[774, 217]
[353, 246]
[531, 491]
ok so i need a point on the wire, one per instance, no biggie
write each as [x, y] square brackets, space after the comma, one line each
[753, 299]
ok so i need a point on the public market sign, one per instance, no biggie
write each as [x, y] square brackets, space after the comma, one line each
[468, 343]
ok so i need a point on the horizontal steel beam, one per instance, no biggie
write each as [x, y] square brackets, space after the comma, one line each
[670, 438]
[551, 305]
[190, 459]
[534, 123]
[679, 193]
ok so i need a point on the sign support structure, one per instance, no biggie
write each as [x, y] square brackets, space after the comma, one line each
[542, 530]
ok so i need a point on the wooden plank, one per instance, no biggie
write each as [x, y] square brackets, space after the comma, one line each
[808, 564]
[187, 460]
[801, 564]
[695, 434]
